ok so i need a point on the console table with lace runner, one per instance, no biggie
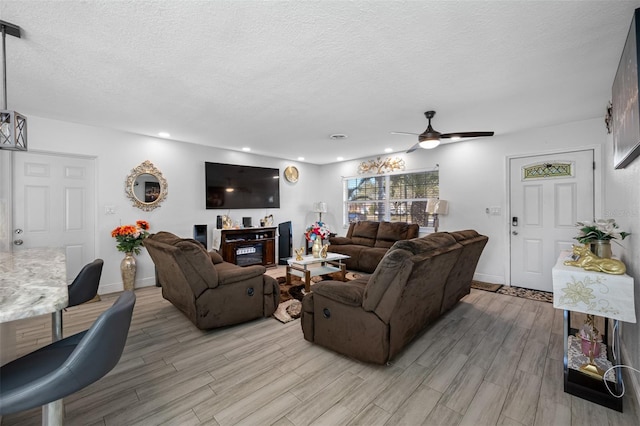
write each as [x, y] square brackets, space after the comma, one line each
[576, 290]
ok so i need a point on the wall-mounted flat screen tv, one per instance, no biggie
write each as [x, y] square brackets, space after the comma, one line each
[230, 186]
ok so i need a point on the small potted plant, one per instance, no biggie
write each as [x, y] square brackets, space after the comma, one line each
[599, 234]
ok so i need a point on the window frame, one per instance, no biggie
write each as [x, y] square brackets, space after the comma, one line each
[387, 202]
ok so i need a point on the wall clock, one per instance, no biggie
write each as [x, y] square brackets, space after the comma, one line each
[291, 174]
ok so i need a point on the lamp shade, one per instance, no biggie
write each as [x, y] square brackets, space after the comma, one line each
[13, 131]
[320, 207]
[442, 207]
[436, 206]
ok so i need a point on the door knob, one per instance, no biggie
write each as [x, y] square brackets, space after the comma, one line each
[18, 242]
[514, 232]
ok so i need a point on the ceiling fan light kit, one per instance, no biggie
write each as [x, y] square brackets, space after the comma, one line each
[429, 143]
[13, 125]
[431, 138]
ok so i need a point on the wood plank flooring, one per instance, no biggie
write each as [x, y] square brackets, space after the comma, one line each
[494, 359]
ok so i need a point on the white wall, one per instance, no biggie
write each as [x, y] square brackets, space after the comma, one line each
[622, 203]
[473, 177]
[182, 165]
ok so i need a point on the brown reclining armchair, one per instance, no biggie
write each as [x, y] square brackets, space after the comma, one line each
[210, 292]
[374, 317]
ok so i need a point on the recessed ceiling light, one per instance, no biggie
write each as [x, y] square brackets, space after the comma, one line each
[300, 158]
[246, 149]
[164, 135]
[338, 136]
[340, 158]
[388, 150]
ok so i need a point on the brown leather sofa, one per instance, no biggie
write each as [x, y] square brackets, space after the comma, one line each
[210, 292]
[367, 242]
[374, 317]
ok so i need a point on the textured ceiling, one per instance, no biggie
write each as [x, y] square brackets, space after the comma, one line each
[280, 77]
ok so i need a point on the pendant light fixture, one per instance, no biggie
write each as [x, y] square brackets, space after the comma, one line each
[13, 125]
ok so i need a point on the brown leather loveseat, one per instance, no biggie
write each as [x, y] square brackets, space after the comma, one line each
[210, 292]
[367, 242]
[374, 317]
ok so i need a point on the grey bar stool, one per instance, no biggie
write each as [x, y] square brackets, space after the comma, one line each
[85, 286]
[68, 365]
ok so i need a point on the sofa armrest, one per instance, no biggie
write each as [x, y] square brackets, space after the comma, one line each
[340, 240]
[232, 274]
[345, 293]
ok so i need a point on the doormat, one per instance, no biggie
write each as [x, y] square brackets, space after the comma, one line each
[485, 286]
[541, 296]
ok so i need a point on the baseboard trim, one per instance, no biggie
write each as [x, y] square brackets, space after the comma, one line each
[630, 378]
[487, 278]
[118, 286]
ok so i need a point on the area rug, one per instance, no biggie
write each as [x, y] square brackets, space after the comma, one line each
[542, 296]
[288, 310]
[291, 295]
[295, 290]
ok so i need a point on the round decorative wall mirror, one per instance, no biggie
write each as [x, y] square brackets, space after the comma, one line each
[146, 187]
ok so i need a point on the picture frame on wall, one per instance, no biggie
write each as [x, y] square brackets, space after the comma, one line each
[626, 107]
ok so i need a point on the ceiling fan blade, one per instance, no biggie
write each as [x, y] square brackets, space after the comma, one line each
[405, 133]
[465, 135]
[413, 148]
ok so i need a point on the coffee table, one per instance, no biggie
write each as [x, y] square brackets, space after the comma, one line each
[311, 266]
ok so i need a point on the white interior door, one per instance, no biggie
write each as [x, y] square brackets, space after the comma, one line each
[548, 195]
[54, 206]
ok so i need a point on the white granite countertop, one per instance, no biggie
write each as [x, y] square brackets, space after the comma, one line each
[32, 282]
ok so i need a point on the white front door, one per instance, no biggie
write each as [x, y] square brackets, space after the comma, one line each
[548, 195]
[54, 205]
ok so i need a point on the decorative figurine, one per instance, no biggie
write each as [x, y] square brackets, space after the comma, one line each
[227, 223]
[324, 251]
[590, 262]
[299, 253]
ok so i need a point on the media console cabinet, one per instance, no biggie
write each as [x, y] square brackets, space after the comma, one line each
[249, 246]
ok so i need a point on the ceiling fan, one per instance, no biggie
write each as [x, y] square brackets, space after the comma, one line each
[430, 138]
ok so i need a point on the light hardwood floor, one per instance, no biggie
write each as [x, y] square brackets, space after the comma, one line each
[493, 359]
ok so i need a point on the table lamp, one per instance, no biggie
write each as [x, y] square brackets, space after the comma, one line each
[320, 207]
[437, 207]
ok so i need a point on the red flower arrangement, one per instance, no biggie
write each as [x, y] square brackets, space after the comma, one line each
[129, 237]
[317, 230]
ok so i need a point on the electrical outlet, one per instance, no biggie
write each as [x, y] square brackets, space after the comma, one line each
[495, 211]
[109, 210]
